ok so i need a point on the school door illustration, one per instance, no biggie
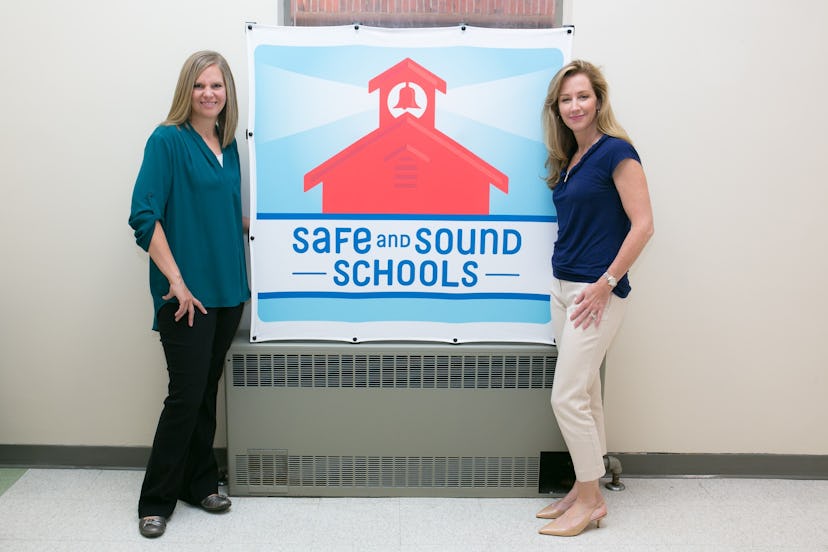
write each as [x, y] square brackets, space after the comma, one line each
[406, 166]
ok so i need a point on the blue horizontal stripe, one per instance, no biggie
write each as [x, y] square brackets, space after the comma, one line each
[461, 218]
[400, 295]
[530, 309]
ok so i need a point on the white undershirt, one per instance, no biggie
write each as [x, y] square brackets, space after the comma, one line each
[220, 158]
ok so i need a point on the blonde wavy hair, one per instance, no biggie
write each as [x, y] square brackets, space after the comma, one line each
[559, 139]
[182, 103]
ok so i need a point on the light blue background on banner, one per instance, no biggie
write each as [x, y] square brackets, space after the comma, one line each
[400, 307]
[317, 104]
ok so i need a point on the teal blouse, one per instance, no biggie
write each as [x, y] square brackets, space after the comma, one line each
[198, 203]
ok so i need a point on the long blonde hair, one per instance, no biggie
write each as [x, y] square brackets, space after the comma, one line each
[182, 103]
[559, 139]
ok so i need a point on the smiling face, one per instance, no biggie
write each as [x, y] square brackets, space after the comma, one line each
[209, 95]
[578, 104]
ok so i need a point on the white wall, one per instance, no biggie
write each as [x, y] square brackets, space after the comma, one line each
[86, 82]
[723, 347]
[721, 98]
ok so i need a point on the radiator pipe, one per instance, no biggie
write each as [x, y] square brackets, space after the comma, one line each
[613, 465]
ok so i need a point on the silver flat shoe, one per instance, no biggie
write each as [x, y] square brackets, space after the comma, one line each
[216, 503]
[152, 526]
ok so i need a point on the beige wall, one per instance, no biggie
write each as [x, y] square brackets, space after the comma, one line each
[723, 347]
[722, 100]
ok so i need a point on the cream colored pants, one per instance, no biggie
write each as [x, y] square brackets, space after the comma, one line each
[576, 391]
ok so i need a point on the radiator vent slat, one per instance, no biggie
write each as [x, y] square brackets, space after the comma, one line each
[393, 371]
[273, 471]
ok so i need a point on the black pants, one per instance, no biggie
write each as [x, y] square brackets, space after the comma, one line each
[182, 464]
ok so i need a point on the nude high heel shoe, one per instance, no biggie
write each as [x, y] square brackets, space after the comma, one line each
[556, 509]
[595, 515]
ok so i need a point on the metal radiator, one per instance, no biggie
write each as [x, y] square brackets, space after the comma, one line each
[388, 419]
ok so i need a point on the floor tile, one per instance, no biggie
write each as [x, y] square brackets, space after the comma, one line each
[43, 510]
[8, 477]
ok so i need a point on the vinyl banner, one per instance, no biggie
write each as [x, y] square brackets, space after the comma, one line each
[397, 182]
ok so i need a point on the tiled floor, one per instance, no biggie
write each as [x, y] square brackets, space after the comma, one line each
[95, 510]
[8, 476]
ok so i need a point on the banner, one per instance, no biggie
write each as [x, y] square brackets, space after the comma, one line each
[397, 183]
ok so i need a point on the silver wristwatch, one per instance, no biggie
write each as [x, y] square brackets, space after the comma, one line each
[610, 280]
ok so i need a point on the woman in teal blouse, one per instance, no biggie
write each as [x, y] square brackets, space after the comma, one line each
[186, 212]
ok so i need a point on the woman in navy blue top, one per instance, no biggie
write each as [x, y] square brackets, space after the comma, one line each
[186, 212]
[604, 222]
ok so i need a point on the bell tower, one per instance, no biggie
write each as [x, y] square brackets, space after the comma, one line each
[407, 87]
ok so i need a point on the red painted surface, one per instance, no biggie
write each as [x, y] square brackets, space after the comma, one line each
[406, 166]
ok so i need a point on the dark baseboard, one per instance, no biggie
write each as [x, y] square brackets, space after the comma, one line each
[60, 456]
[784, 466]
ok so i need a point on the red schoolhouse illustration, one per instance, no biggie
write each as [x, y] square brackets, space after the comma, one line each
[406, 166]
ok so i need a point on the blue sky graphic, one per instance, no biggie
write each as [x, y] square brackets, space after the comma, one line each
[317, 104]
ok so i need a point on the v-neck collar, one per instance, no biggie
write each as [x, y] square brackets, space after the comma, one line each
[568, 174]
[202, 145]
